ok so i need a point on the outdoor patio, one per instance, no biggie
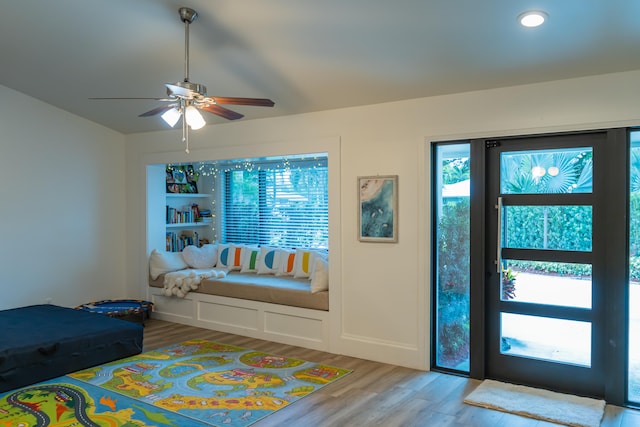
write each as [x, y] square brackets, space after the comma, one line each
[564, 341]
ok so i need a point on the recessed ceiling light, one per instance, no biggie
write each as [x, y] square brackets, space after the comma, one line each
[532, 18]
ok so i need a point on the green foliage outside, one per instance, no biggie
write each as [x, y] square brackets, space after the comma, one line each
[548, 227]
[634, 234]
[453, 272]
[281, 208]
[634, 216]
[453, 285]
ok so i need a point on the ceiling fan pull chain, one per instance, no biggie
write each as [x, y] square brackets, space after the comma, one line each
[185, 134]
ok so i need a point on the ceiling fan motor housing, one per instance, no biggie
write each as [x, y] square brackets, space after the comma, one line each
[194, 90]
[187, 14]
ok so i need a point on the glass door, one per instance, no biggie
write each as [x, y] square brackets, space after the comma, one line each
[544, 299]
[634, 270]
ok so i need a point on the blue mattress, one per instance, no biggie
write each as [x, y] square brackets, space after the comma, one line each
[40, 342]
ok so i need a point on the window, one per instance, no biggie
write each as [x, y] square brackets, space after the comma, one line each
[634, 270]
[281, 202]
[452, 250]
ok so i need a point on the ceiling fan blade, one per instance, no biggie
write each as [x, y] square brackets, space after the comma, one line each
[222, 112]
[157, 110]
[154, 99]
[256, 102]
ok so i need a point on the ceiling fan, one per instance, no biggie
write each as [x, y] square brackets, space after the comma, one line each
[186, 98]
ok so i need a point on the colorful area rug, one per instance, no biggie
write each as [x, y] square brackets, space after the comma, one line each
[537, 403]
[195, 383]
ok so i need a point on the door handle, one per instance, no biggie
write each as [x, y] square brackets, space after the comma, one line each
[499, 237]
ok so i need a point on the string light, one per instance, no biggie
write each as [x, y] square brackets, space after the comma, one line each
[215, 168]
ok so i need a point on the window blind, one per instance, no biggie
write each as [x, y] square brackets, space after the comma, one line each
[281, 204]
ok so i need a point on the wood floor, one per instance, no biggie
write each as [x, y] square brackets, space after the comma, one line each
[375, 394]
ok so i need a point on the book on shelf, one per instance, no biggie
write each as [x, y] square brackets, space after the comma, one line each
[177, 241]
[206, 216]
[187, 214]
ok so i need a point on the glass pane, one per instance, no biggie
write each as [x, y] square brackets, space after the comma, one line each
[551, 283]
[451, 183]
[546, 171]
[565, 228]
[634, 270]
[634, 342]
[241, 207]
[267, 203]
[556, 340]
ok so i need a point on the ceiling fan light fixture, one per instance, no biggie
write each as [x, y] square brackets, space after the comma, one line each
[185, 97]
[171, 116]
[194, 118]
[532, 18]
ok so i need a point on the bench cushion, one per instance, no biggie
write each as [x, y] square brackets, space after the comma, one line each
[265, 288]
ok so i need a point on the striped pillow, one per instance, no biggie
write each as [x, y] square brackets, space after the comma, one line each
[230, 256]
[250, 260]
[287, 263]
[237, 253]
[304, 263]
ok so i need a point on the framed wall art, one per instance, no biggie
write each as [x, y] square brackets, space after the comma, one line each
[378, 208]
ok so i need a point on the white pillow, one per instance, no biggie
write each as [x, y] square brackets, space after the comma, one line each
[287, 263]
[161, 262]
[303, 263]
[269, 260]
[250, 259]
[204, 257]
[320, 279]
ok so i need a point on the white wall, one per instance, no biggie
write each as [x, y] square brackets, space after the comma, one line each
[62, 204]
[380, 300]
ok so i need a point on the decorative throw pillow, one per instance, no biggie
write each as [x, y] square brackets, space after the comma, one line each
[303, 263]
[223, 256]
[204, 257]
[230, 256]
[235, 256]
[269, 260]
[161, 262]
[287, 263]
[250, 259]
[320, 279]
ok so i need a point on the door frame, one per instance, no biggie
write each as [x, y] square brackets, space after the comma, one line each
[615, 160]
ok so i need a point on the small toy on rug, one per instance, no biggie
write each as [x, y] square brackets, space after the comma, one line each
[126, 309]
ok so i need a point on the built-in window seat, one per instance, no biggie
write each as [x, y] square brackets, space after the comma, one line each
[266, 288]
[247, 299]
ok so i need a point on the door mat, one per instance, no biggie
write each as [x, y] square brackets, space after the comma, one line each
[537, 403]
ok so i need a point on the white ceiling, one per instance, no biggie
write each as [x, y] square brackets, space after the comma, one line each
[305, 55]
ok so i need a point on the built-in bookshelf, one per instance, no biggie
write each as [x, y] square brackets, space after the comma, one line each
[188, 220]
[191, 212]
[188, 217]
